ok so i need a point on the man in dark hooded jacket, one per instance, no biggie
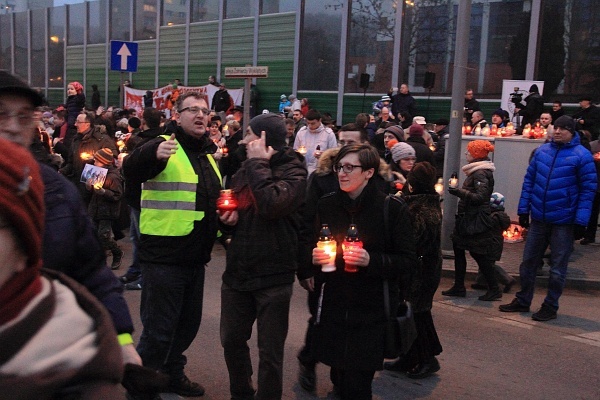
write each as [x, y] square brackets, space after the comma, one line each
[257, 284]
[533, 108]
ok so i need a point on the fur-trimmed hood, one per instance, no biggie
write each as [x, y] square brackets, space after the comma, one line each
[325, 164]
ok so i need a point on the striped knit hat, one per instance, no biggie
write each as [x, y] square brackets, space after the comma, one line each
[105, 156]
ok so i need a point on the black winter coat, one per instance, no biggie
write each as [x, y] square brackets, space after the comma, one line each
[404, 103]
[71, 246]
[324, 181]
[422, 151]
[532, 110]
[107, 206]
[132, 190]
[426, 219]
[90, 142]
[351, 326]
[194, 249]
[263, 251]
[75, 104]
[96, 102]
[474, 196]
[221, 101]
[501, 222]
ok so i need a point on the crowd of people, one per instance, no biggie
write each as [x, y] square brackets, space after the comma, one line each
[297, 181]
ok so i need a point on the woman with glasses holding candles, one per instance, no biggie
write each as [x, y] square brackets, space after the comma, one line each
[351, 320]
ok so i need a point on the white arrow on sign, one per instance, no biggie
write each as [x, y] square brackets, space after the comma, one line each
[124, 53]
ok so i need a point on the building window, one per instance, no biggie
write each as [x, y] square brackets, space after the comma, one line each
[21, 45]
[5, 40]
[145, 20]
[319, 64]
[371, 45]
[205, 10]
[97, 22]
[239, 8]
[76, 23]
[278, 6]
[120, 18]
[56, 43]
[38, 48]
[174, 13]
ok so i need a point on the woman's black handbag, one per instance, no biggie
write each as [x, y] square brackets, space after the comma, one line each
[400, 331]
[474, 221]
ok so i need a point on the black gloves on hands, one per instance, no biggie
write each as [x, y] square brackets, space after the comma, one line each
[524, 220]
[578, 232]
[453, 191]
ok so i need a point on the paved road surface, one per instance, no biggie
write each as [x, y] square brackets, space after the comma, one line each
[487, 354]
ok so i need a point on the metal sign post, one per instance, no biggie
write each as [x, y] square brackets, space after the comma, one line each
[247, 72]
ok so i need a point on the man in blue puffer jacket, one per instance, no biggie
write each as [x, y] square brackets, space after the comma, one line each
[558, 191]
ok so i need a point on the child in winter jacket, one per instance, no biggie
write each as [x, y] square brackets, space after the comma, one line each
[501, 222]
[105, 203]
[75, 102]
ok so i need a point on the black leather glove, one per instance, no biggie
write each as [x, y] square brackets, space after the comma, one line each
[453, 191]
[578, 232]
[524, 220]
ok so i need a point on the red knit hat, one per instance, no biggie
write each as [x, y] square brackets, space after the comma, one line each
[416, 130]
[77, 86]
[22, 208]
[480, 148]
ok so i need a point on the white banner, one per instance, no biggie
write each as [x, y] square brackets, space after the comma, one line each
[134, 98]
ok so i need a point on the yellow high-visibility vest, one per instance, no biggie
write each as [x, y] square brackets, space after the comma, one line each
[168, 200]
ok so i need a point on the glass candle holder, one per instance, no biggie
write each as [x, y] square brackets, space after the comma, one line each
[227, 201]
[329, 245]
[351, 244]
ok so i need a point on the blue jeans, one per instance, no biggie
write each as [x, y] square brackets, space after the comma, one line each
[560, 238]
[270, 308]
[171, 311]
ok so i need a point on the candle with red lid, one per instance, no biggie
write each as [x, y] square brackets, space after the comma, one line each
[227, 201]
[351, 243]
[329, 245]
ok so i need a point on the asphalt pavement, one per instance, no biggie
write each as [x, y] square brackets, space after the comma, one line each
[583, 272]
[487, 354]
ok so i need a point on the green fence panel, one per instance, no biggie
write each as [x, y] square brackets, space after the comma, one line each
[171, 54]
[74, 66]
[96, 66]
[276, 50]
[203, 52]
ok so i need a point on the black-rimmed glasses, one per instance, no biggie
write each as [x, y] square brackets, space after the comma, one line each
[195, 110]
[347, 168]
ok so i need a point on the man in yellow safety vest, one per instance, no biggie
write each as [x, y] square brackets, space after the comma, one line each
[178, 225]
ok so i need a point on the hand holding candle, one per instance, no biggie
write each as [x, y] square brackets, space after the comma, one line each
[354, 255]
[227, 201]
[325, 252]
[453, 181]
[439, 186]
